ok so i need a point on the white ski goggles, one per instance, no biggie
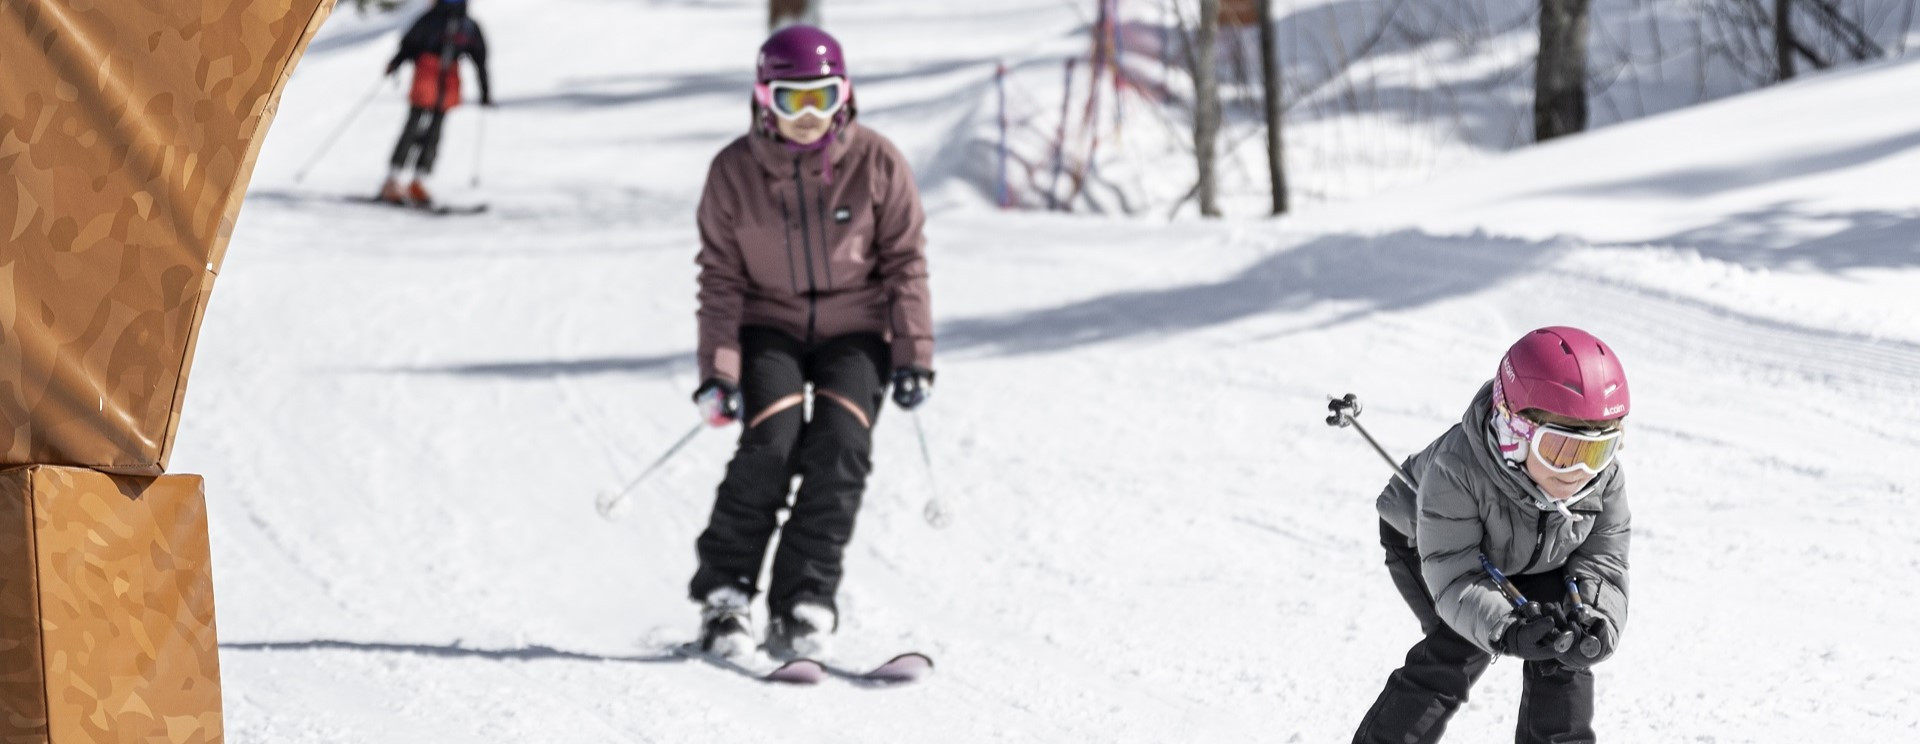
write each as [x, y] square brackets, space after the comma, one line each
[792, 99]
[1564, 450]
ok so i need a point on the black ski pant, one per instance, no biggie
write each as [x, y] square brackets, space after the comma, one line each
[1556, 701]
[423, 134]
[829, 451]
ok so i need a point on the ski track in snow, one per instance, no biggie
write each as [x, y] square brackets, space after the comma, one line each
[404, 421]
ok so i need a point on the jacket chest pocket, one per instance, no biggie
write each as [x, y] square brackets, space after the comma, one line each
[764, 250]
[849, 228]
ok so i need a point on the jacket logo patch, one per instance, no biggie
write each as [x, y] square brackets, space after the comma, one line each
[843, 215]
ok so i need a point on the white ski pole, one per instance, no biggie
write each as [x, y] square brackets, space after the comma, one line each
[1344, 412]
[609, 501]
[301, 175]
[479, 141]
[936, 512]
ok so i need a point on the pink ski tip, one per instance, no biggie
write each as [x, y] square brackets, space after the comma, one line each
[798, 672]
[906, 667]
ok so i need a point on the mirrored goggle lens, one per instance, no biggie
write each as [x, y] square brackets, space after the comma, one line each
[1562, 450]
[825, 99]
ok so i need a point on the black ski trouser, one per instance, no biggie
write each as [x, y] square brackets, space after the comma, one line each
[830, 452]
[423, 134]
[1556, 701]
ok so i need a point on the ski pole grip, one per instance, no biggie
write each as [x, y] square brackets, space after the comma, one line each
[1342, 410]
[1563, 641]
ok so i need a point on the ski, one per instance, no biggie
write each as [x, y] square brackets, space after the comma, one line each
[795, 672]
[442, 210]
[904, 669]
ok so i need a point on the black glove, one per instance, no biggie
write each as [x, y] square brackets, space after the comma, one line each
[1594, 640]
[912, 386]
[1536, 638]
[719, 401]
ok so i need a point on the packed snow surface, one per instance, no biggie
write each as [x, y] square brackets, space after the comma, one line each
[404, 420]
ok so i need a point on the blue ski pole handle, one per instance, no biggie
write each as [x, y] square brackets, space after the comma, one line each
[1508, 590]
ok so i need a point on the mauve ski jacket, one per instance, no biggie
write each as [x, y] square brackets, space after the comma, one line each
[1469, 502]
[782, 247]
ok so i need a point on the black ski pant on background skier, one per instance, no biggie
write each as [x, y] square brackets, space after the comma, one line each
[1556, 701]
[830, 452]
[422, 135]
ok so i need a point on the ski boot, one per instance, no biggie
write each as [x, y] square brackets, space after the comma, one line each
[803, 632]
[723, 624]
[391, 193]
[417, 194]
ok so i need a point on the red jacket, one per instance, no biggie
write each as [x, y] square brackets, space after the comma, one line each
[780, 247]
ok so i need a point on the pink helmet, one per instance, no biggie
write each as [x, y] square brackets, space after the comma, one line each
[1564, 371]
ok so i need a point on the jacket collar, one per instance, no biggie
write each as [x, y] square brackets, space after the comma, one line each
[1512, 482]
[778, 160]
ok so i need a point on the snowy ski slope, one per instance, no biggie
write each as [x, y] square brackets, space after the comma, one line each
[404, 420]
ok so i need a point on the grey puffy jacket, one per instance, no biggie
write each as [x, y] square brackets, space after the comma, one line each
[1470, 502]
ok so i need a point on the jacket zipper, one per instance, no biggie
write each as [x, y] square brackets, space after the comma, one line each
[826, 245]
[1539, 543]
[786, 236]
[806, 245]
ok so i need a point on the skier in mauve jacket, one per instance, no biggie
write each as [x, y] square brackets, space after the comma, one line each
[813, 279]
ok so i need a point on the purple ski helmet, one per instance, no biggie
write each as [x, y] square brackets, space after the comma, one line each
[1564, 371]
[800, 52]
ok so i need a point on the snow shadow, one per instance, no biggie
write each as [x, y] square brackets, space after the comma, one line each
[619, 90]
[655, 364]
[1768, 238]
[1705, 182]
[1395, 272]
[533, 652]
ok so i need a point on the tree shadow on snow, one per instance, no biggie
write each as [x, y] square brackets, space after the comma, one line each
[658, 363]
[1765, 238]
[1372, 274]
[534, 652]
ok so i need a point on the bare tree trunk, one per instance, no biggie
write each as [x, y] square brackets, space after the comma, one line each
[1206, 109]
[783, 13]
[1270, 77]
[1560, 75]
[1783, 40]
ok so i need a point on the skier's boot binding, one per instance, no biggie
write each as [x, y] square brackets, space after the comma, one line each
[723, 624]
[417, 194]
[391, 193]
[804, 631]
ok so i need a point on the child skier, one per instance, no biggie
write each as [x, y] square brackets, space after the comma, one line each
[1528, 480]
[434, 44]
[812, 278]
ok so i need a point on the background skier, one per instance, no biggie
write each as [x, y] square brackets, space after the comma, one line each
[812, 278]
[1527, 479]
[434, 44]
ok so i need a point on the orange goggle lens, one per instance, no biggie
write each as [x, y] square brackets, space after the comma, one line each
[823, 97]
[1566, 450]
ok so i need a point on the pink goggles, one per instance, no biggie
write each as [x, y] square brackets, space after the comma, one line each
[1564, 450]
[792, 99]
